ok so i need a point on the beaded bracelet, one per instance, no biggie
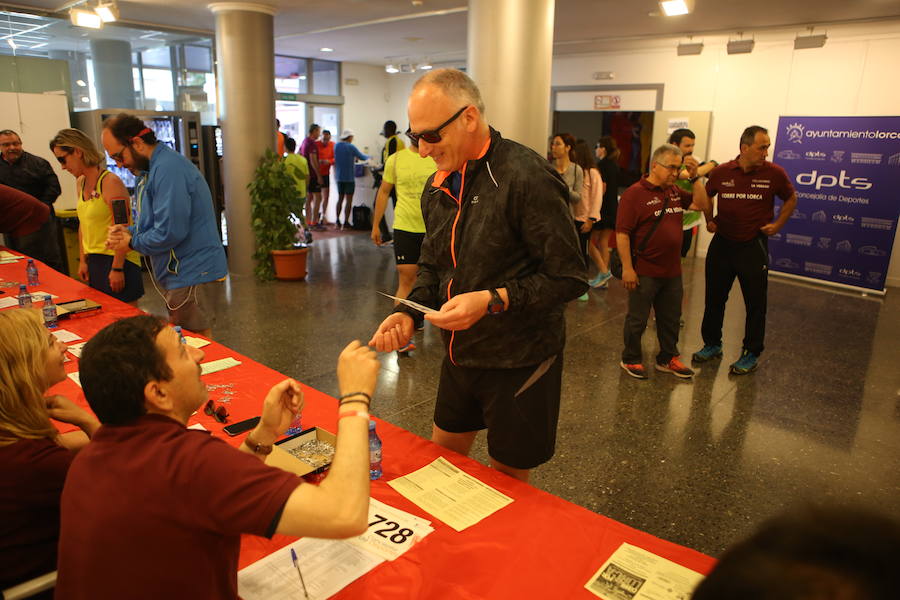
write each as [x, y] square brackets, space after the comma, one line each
[353, 413]
[346, 398]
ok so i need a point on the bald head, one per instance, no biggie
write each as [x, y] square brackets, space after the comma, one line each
[444, 110]
[454, 84]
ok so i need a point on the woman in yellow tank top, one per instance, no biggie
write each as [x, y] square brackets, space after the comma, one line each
[117, 273]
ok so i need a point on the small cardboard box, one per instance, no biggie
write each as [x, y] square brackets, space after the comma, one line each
[281, 458]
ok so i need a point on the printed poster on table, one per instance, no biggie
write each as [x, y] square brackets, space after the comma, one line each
[846, 171]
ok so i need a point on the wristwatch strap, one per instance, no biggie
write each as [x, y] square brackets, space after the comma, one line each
[257, 447]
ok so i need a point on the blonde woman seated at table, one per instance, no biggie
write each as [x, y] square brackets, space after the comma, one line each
[154, 510]
[34, 457]
[114, 272]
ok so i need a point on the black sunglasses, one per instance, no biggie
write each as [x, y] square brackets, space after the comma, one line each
[433, 136]
[62, 159]
[219, 413]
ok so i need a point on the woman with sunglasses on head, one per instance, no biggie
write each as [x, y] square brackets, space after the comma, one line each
[34, 456]
[607, 154]
[117, 273]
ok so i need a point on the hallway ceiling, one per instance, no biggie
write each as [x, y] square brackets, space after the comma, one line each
[380, 31]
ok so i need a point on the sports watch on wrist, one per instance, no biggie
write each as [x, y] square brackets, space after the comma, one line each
[496, 305]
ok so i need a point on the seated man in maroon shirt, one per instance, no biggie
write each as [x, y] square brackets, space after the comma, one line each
[746, 189]
[648, 237]
[21, 213]
[154, 510]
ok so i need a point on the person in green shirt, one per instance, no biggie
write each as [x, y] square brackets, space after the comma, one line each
[406, 173]
[298, 168]
[684, 140]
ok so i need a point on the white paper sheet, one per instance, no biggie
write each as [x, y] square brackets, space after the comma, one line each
[450, 494]
[75, 349]
[75, 377]
[632, 573]
[328, 566]
[195, 341]
[65, 336]
[215, 366]
[419, 307]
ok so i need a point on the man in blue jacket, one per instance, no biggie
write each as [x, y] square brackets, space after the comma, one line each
[175, 226]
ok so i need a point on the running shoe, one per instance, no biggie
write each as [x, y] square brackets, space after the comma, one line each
[706, 353]
[676, 368]
[635, 370]
[601, 280]
[745, 364]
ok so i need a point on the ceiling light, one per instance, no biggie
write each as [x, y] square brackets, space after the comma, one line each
[326, 49]
[11, 43]
[691, 49]
[302, 77]
[391, 69]
[107, 11]
[85, 18]
[41, 45]
[740, 46]
[426, 66]
[81, 83]
[802, 42]
[675, 8]
[85, 99]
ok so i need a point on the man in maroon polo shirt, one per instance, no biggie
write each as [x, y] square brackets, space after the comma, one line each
[746, 188]
[648, 238]
[151, 509]
[21, 213]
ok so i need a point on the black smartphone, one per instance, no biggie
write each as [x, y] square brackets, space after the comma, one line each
[120, 211]
[241, 426]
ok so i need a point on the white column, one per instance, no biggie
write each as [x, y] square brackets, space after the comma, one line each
[510, 55]
[245, 72]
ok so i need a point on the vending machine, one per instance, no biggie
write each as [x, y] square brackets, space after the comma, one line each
[178, 130]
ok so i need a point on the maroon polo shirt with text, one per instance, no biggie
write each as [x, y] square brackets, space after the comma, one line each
[639, 207]
[746, 200]
[153, 510]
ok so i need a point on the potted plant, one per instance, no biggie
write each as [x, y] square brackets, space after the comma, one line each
[273, 197]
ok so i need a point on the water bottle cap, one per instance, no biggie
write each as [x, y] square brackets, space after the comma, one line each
[371, 425]
[48, 298]
[22, 287]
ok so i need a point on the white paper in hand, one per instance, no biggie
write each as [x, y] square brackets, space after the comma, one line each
[419, 307]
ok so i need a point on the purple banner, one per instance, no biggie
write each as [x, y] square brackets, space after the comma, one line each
[846, 171]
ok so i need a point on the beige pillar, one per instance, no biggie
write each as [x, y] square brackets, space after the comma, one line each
[245, 72]
[510, 55]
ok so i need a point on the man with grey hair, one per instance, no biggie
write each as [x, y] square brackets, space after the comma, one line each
[499, 261]
[648, 238]
[33, 175]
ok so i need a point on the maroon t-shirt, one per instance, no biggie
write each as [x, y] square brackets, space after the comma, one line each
[32, 473]
[20, 213]
[746, 200]
[639, 207]
[154, 510]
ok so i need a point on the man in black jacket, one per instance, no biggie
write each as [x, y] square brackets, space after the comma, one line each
[34, 176]
[500, 259]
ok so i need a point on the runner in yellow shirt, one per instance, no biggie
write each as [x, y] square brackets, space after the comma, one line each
[408, 172]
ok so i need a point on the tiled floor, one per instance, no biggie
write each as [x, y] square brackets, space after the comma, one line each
[699, 463]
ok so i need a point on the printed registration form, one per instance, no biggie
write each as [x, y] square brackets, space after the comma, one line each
[450, 494]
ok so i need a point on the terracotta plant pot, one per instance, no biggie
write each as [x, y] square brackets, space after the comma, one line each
[290, 265]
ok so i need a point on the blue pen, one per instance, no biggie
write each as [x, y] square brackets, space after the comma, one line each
[297, 566]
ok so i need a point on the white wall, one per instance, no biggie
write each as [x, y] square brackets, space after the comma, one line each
[855, 74]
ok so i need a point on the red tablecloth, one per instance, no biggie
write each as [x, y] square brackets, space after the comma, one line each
[540, 546]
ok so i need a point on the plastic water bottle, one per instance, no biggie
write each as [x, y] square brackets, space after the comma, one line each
[31, 271]
[295, 427]
[49, 310]
[24, 297]
[374, 453]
